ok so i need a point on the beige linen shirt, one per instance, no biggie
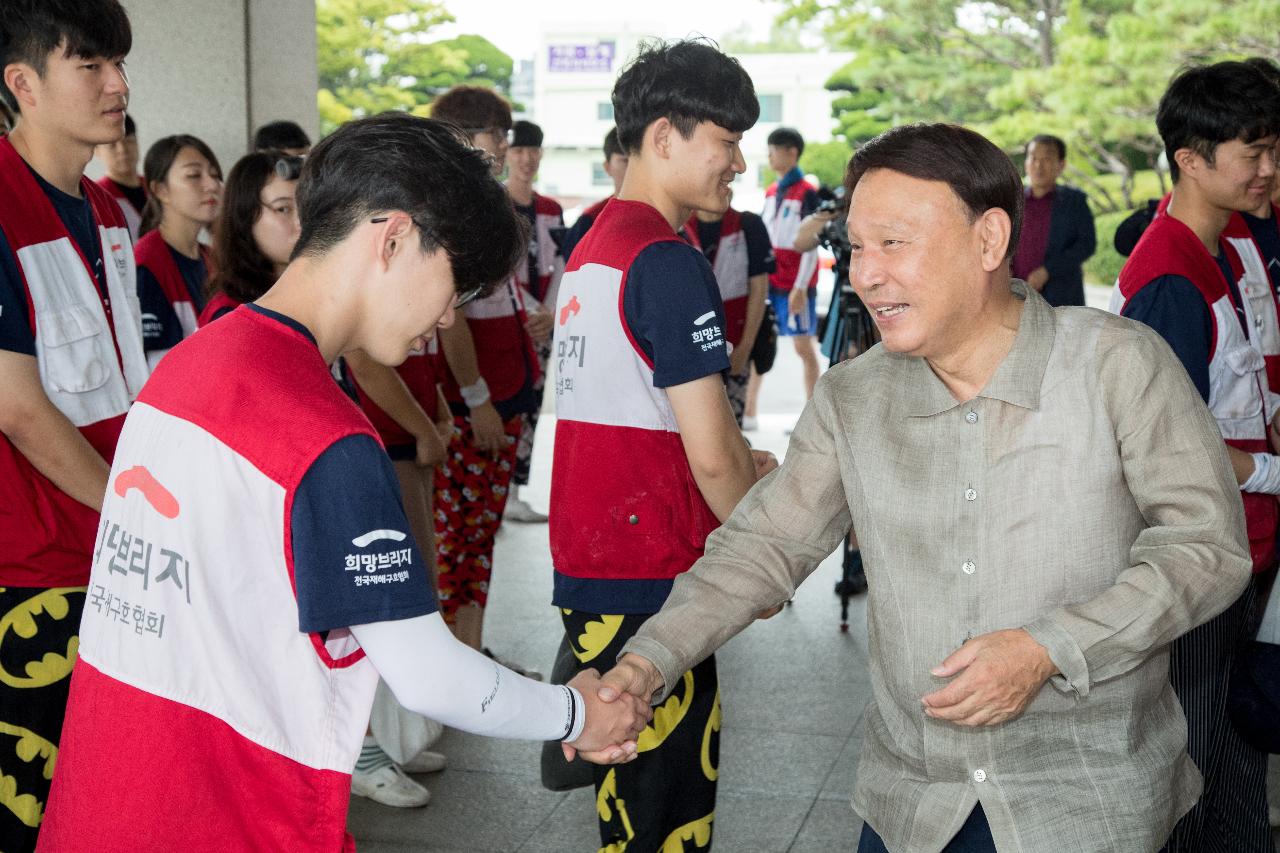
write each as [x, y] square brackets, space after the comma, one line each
[1084, 494]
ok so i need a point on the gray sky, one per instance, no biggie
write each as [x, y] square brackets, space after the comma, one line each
[514, 25]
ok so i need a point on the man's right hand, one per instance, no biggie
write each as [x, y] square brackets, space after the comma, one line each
[614, 721]
[486, 425]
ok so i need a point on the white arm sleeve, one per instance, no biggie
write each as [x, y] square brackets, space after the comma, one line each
[430, 672]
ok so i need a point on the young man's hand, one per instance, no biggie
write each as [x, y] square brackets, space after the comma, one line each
[798, 304]
[486, 425]
[615, 720]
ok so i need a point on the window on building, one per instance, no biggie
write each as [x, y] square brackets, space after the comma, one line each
[770, 108]
[599, 177]
[604, 110]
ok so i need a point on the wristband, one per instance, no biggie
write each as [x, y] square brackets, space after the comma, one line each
[1265, 478]
[577, 715]
[476, 394]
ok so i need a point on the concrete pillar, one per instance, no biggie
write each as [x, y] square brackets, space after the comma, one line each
[219, 70]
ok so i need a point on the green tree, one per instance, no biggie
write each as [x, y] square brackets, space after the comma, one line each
[826, 160]
[375, 55]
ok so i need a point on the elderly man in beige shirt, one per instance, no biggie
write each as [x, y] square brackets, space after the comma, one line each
[1043, 503]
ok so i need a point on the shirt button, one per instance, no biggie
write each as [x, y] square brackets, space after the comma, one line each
[972, 417]
[970, 495]
[979, 775]
[969, 567]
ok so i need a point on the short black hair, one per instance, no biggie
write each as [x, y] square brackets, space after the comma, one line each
[1266, 66]
[786, 137]
[687, 82]
[398, 161]
[611, 145]
[130, 128]
[1208, 105]
[280, 135]
[977, 171]
[1047, 139]
[526, 134]
[31, 29]
[473, 109]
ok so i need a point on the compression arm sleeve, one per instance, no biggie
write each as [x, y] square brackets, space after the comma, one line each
[433, 674]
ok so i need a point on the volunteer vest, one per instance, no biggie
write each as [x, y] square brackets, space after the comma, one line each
[782, 219]
[624, 503]
[91, 362]
[132, 216]
[1237, 369]
[730, 267]
[153, 253]
[547, 215]
[200, 718]
[217, 302]
[420, 374]
[504, 350]
[1258, 293]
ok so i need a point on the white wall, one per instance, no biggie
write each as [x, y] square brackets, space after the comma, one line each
[220, 68]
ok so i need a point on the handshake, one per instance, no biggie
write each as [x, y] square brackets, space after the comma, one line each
[617, 708]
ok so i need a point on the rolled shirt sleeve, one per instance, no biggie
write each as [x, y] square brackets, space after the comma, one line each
[1192, 560]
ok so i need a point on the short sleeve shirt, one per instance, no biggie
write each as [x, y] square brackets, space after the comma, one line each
[760, 260]
[673, 308]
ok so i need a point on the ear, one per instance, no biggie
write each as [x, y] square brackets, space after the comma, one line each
[159, 190]
[19, 77]
[1189, 162]
[393, 236]
[994, 228]
[659, 134]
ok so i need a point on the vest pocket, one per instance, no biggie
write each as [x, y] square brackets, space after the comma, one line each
[72, 349]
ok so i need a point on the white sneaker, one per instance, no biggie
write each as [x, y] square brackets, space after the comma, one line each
[518, 510]
[516, 668]
[391, 787]
[425, 762]
[750, 424]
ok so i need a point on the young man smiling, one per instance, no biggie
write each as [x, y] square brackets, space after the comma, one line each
[71, 357]
[1219, 125]
[648, 457]
[254, 574]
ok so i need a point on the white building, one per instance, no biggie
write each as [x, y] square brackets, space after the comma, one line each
[573, 76]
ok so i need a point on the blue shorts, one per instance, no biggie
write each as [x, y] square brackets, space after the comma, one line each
[790, 325]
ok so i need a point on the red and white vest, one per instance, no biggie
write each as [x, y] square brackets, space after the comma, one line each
[730, 267]
[420, 372]
[547, 215]
[153, 253]
[132, 216]
[226, 727]
[91, 362]
[1239, 393]
[504, 350]
[1258, 292]
[217, 303]
[624, 503]
[782, 219]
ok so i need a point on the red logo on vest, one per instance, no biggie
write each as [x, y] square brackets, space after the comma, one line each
[160, 498]
[572, 308]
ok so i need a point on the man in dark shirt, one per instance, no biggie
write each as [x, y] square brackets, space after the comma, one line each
[1057, 229]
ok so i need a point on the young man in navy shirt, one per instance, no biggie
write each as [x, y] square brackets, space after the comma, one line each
[649, 459]
[71, 357]
[1219, 124]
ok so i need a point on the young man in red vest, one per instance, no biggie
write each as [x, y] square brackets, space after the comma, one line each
[793, 285]
[539, 278]
[122, 181]
[71, 358]
[254, 575]
[648, 458]
[1219, 124]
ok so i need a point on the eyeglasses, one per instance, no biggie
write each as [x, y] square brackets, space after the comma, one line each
[459, 299]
